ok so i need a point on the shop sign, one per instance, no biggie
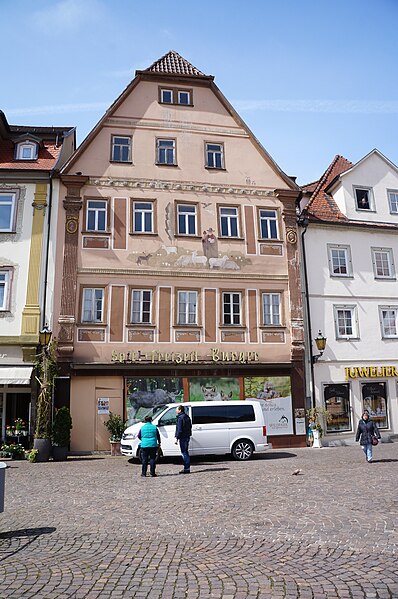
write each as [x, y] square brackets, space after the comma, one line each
[369, 372]
[156, 357]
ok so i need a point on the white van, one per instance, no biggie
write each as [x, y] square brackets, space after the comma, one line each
[218, 427]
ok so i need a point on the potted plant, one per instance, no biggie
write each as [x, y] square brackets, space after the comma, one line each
[115, 426]
[316, 416]
[62, 426]
[46, 367]
[15, 451]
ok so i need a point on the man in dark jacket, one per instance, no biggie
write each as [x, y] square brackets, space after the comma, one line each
[183, 434]
[366, 430]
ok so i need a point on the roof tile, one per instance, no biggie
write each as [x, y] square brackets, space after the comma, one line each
[322, 206]
[174, 64]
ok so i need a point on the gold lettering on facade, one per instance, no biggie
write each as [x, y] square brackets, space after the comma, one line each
[155, 357]
[372, 372]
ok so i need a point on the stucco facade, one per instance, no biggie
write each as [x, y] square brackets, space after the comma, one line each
[179, 260]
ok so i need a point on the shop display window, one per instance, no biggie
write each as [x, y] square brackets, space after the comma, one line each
[374, 400]
[337, 402]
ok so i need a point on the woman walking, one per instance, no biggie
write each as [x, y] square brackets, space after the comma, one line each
[366, 430]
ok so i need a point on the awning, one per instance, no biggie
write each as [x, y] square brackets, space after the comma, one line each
[15, 375]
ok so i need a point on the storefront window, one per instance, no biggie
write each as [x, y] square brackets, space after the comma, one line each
[337, 402]
[145, 395]
[374, 396]
[213, 389]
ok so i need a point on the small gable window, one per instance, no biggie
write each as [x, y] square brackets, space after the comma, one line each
[363, 198]
[26, 150]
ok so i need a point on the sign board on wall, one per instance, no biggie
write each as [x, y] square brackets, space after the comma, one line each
[103, 405]
[276, 392]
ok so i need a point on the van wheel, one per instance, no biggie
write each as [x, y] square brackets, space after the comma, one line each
[242, 450]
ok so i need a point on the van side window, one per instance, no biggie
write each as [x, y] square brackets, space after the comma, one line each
[240, 412]
[169, 418]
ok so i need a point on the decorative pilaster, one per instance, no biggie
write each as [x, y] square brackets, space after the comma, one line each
[30, 324]
[72, 204]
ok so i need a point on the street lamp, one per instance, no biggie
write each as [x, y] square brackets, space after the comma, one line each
[44, 337]
[321, 344]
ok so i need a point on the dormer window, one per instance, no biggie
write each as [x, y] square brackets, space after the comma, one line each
[26, 150]
[363, 198]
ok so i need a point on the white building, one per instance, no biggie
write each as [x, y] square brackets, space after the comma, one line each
[350, 251]
[30, 158]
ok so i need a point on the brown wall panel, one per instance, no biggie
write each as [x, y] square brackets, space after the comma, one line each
[253, 317]
[250, 230]
[120, 220]
[210, 315]
[117, 312]
[164, 313]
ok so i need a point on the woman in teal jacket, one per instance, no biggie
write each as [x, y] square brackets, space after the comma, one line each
[150, 441]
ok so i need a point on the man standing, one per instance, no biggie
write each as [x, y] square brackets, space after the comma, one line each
[183, 434]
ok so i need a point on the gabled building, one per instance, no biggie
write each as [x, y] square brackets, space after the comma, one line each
[178, 267]
[351, 248]
[30, 158]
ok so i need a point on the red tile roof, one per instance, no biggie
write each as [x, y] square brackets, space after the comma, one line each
[48, 156]
[322, 206]
[174, 64]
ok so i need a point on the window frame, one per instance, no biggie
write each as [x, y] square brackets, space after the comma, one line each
[390, 308]
[93, 288]
[222, 152]
[238, 217]
[177, 308]
[389, 253]
[107, 215]
[261, 219]
[141, 290]
[130, 149]
[394, 192]
[14, 203]
[175, 95]
[157, 151]
[347, 250]
[280, 309]
[8, 273]
[154, 219]
[20, 146]
[180, 203]
[372, 207]
[230, 292]
[354, 321]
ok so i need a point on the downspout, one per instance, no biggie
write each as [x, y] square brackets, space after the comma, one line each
[50, 203]
[303, 221]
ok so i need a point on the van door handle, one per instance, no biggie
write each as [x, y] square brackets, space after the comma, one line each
[197, 428]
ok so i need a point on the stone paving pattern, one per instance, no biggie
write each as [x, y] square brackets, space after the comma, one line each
[93, 528]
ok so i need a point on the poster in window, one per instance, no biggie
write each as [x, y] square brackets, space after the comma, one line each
[276, 391]
[213, 389]
[103, 405]
[145, 395]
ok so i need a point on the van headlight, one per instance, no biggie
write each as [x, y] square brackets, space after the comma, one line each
[129, 436]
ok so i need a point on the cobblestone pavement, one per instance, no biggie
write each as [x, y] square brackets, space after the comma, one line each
[92, 527]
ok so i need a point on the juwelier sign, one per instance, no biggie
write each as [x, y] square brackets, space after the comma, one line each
[370, 372]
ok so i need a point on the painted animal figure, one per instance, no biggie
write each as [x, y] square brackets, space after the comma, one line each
[184, 261]
[217, 262]
[211, 394]
[225, 397]
[169, 249]
[143, 258]
[198, 259]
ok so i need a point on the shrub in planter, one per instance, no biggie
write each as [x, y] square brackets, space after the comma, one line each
[14, 451]
[115, 426]
[61, 428]
[32, 455]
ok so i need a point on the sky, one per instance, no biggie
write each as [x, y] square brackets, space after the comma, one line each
[311, 78]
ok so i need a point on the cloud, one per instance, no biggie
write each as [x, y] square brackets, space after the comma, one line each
[326, 106]
[66, 15]
[58, 109]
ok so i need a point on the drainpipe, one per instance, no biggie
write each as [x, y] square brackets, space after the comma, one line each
[50, 203]
[303, 222]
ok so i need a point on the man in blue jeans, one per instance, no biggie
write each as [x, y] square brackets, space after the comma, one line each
[183, 434]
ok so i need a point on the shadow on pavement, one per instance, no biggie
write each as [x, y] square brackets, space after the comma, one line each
[27, 532]
[385, 460]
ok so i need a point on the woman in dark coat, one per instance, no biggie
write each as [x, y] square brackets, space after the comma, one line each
[366, 430]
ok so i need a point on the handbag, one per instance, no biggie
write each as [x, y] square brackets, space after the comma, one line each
[375, 440]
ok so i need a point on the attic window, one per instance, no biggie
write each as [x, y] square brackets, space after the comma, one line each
[26, 150]
[363, 198]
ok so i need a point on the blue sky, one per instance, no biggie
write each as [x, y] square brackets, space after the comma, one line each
[311, 78]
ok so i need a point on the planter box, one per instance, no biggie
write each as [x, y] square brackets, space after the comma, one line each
[115, 448]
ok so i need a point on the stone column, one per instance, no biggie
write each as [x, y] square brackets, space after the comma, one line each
[72, 204]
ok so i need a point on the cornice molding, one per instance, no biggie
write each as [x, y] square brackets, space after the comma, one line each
[177, 126]
[187, 274]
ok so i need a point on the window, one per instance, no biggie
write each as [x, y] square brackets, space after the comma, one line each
[241, 412]
[345, 321]
[229, 225]
[175, 96]
[393, 200]
[4, 288]
[363, 198]
[96, 215]
[268, 224]
[337, 402]
[186, 219]
[7, 211]
[388, 321]
[93, 305]
[141, 306]
[166, 151]
[187, 307]
[169, 418]
[231, 308]
[214, 155]
[26, 151]
[121, 149]
[143, 217]
[383, 264]
[374, 397]
[340, 260]
[271, 309]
